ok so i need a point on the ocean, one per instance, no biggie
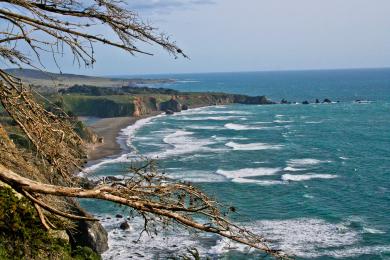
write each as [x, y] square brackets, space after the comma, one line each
[314, 179]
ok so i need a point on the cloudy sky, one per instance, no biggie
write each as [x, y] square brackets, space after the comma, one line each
[254, 35]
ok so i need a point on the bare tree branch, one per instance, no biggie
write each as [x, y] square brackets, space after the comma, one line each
[62, 26]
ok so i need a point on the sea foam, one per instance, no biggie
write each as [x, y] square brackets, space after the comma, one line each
[182, 142]
[248, 172]
[241, 127]
[253, 146]
[306, 177]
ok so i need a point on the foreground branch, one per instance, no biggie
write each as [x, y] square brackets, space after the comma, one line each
[218, 225]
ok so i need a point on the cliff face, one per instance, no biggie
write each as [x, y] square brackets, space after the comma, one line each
[144, 104]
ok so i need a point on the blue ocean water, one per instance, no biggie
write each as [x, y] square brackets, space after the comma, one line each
[314, 179]
[338, 85]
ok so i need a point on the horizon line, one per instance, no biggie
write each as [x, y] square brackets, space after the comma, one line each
[244, 71]
[211, 72]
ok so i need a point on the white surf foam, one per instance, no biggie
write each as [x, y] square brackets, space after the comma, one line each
[300, 237]
[296, 163]
[124, 139]
[183, 142]
[306, 177]
[128, 244]
[283, 121]
[373, 230]
[213, 112]
[214, 118]
[205, 127]
[263, 122]
[196, 176]
[258, 182]
[248, 172]
[122, 158]
[253, 146]
[223, 139]
[292, 169]
[129, 132]
[353, 252]
[305, 236]
[308, 196]
[240, 127]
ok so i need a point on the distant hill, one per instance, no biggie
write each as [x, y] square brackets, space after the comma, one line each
[51, 82]
[37, 74]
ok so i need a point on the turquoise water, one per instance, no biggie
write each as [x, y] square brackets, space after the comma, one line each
[314, 179]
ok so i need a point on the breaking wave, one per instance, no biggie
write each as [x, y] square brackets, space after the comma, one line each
[253, 146]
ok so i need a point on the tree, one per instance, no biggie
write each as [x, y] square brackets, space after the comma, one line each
[47, 178]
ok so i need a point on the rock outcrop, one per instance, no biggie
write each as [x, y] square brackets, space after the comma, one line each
[172, 105]
[89, 233]
[124, 225]
[258, 100]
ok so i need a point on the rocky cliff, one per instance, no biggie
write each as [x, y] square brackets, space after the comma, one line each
[144, 104]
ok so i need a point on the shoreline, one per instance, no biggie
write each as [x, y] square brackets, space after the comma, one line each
[109, 129]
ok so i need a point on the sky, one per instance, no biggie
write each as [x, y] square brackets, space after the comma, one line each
[256, 35]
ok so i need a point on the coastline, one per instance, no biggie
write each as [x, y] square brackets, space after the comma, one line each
[109, 129]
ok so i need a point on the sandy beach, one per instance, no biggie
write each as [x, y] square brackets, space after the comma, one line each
[109, 129]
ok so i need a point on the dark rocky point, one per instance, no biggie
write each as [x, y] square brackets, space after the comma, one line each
[118, 216]
[317, 101]
[258, 100]
[305, 102]
[172, 105]
[326, 100]
[169, 112]
[184, 107]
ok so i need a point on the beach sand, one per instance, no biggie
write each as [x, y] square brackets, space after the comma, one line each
[109, 129]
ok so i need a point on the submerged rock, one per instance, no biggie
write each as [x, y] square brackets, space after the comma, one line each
[169, 112]
[124, 225]
[317, 101]
[326, 100]
[118, 216]
[184, 107]
[305, 102]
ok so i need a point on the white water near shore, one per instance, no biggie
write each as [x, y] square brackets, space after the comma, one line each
[209, 154]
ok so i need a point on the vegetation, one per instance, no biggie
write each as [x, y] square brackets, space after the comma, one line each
[45, 175]
[108, 91]
[22, 235]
